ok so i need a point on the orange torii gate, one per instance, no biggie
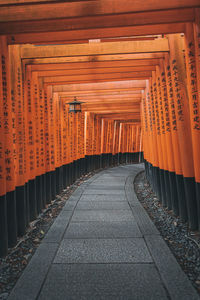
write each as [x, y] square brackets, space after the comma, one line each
[44, 147]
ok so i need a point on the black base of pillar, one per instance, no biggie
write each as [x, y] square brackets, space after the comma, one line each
[48, 188]
[153, 178]
[82, 166]
[109, 159]
[44, 196]
[27, 204]
[53, 185]
[57, 181]
[75, 170]
[181, 198]
[198, 200]
[39, 193]
[3, 227]
[120, 158]
[158, 184]
[86, 164]
[174, 194]
[163, 192]
[21, 210]
[61, 178]
[167, 190]
[190, 193]
[32, 199]
[64, 176]
[78, 168]
[68, 175]
[11, 218]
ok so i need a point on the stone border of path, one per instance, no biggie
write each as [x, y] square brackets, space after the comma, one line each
[32, 279]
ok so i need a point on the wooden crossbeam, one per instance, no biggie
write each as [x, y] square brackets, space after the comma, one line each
[82, 36]
[94, 65]
[97, 77]
[120, 116]
[92, 59]
[42, 11]
[105, 111]
[94, 71]
[158, 45]
[71, 25]
[103, 98]
[116, 85]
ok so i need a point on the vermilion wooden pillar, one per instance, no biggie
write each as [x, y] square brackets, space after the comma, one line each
[163, 138]
[183, 125]
[30, 145]
[18, 127]
[175, 141]
[9, 202]
[168, 139]
[192, 67]
[3, 203]
[157, 132]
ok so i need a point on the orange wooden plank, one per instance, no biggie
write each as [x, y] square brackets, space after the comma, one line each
[101, 21]
[86, 8]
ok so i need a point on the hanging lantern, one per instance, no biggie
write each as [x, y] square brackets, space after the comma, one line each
[75, 106]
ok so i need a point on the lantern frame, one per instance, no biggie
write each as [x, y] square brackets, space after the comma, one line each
[75, 106]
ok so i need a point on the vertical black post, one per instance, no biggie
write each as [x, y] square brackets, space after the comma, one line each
[48, 187]
[68, 174]
[57, 181]
[61, 178]
[39, 193]
[198, 201]
[53, 184]
[27, 204]
[167, 190]
[174, 194]
[11, 218]
[157, 175]
[21, 209]
[44, 195]
[181, 198]
[163, 192]
[64, 176]
[190, 193]
[3, 227]
[32, 199]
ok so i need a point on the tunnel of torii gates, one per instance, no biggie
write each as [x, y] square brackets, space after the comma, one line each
[135, 67]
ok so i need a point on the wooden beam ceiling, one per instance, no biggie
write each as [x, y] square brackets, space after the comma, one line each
[103, 52]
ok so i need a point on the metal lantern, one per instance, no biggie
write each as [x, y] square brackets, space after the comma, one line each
[75, 106]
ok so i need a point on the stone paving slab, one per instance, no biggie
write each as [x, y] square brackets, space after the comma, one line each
[103, 282]
[102, 215]
[103, 198]
[102, 205]
[132, 250]
[103, 230]
[106, 187]
[104, 192]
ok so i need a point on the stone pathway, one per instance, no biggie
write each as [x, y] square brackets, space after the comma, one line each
[104, 246]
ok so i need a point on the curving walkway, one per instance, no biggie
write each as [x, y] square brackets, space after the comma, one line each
[104, 246]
